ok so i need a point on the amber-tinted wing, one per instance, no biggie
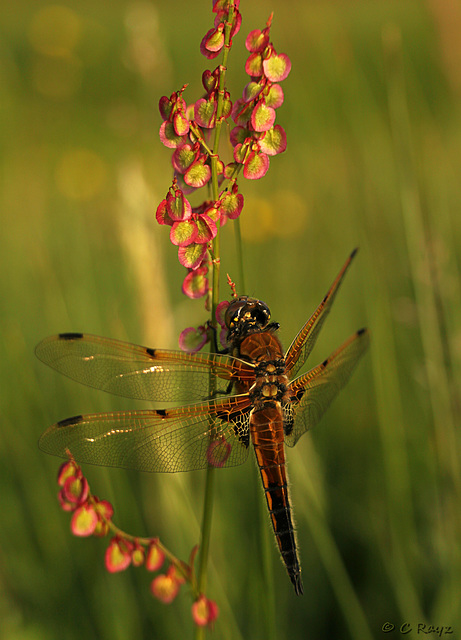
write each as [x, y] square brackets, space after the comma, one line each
[304, 342]
[314, 391]
[212, 433]
[138, 372]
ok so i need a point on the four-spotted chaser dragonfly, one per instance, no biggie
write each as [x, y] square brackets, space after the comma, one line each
[255, 399]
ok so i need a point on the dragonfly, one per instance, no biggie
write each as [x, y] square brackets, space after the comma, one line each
[247, 397]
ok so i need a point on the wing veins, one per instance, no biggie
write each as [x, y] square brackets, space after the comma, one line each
[154, 440]
[314, 391]
[140, 372]
[304, 342]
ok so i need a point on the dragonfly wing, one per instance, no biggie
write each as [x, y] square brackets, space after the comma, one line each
[139, 372]
[304, 342]
[212, 433]
[314, 391]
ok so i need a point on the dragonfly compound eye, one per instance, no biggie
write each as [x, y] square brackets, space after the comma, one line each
[246, 310]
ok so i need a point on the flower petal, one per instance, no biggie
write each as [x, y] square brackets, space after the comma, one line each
[204, 611]
[241, 112]
[155, 557]
[76, 489]
[221, 312]
[277, 67]
[274, 141]
[240, 152]
[213, 40]
[169, 137]
[263, 117]
[257, 40]
[254, 65]
[232, 205]
[66, 470]
[193, 339]
[84, 520]
[165, 106]
[183, 233]
[210, 80]
[256, 166]
[181, 124]
[165, 588]
[178, 207]
[252, 91]
[137, 555]
[192, 255]
[274, 97]
[218, 452]
[238, 135]
[212, 43]
[184, 156]
[205, 113]
[162, 215]
[206, 229]
[118, 555]
[198, 174]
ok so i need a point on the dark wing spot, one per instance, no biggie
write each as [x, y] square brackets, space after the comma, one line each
[69, 421]
[161, 412]
[360, 331]
[288, 425]
[150, 352]
[244, 438]
[71, 336]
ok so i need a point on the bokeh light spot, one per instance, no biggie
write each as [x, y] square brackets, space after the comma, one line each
[81, 174]
[55, 30]
[258, 222]
[295, 211]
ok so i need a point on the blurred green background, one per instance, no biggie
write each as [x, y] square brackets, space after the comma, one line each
[372, 115]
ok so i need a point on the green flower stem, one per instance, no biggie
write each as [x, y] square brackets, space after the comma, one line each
[209, 482]
[206, 530]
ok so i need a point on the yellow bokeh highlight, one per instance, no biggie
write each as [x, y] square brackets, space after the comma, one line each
[53, 33]
[292, 212]
[257, 221]
[81, 174]
[55, 30]
[284, 215]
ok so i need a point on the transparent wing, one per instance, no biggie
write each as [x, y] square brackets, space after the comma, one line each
[304, 342]
[314, 391]
[138, 372]
[212, 433]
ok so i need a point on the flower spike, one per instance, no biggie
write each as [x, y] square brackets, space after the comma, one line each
[187, 131]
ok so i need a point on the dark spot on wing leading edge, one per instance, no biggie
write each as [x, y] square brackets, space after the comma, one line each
[69, 421]
[71, 336]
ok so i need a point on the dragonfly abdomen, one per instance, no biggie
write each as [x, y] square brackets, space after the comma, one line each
[266, 426]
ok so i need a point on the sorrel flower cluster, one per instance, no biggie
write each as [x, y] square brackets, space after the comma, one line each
[192, 132]
[92, 516]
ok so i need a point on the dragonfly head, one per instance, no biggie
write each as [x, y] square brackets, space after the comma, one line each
[246, 315]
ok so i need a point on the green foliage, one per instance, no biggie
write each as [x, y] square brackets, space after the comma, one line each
[372, 117]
